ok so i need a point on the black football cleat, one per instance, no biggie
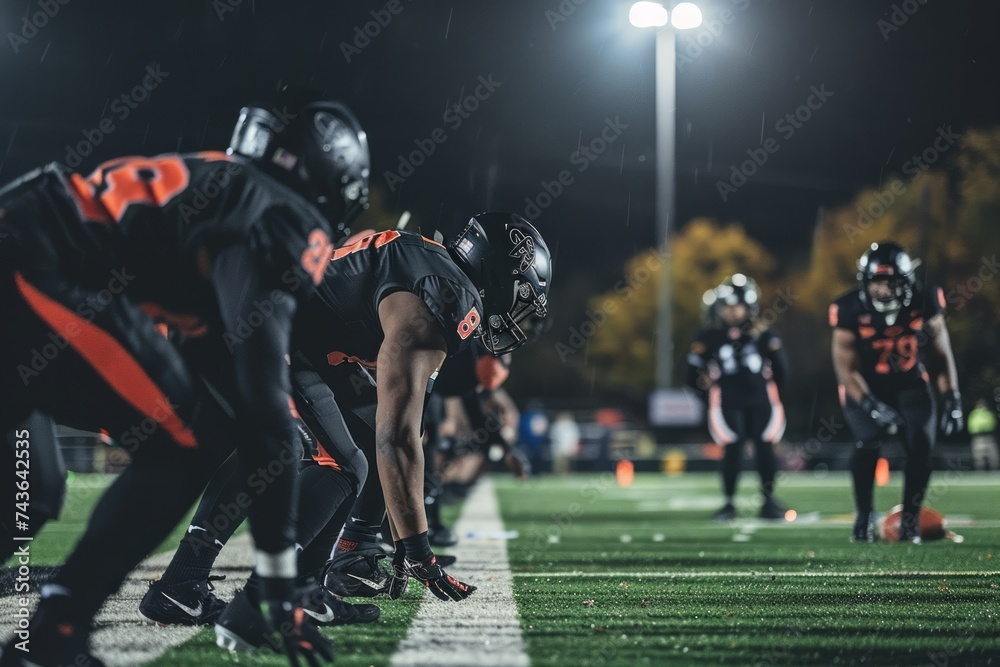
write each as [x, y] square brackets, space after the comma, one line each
[242, 626]
[865, 530]
[183, 603]
[772, 510]
[445, 560]
[727, 513]
[357, 573]
[909, 533]
[327, 609]
[441, 536]
[54, 640]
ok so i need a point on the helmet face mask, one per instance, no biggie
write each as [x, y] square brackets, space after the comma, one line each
[735, 301]
[522, 323]
[886, 293]
[508, 261]
[886, 274]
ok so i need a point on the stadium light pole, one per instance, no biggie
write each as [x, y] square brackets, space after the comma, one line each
[683, 16]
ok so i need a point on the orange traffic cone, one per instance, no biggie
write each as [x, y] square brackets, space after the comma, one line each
[625, 473]
[882, 472]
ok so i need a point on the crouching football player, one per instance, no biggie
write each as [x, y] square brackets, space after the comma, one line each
[146, 232]
[399, 304]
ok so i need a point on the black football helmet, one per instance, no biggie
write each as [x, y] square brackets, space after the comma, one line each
[734, 290]
[316, 147]
[507, 259]
[887, 261]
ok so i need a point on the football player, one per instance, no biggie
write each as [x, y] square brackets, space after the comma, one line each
[215, 244]
[739, 366]
[475, 375]
[880, 329]
[397, 304]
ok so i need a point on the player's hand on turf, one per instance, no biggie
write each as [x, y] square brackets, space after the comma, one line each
[887, 418]
[951, 419]
[398, 582]
[293, 634]
[442, 584]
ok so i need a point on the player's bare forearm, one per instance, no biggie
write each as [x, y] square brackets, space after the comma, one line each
[845, 365]
[946, 378]
[401, 471]
[410, 354]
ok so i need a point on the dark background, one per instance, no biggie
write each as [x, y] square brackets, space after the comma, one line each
[559, 82]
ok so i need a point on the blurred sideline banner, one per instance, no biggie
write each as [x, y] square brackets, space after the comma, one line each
[675, 407]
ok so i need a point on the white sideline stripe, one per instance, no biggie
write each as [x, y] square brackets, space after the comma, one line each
[125, 638]
[484, 629]
[743, 573]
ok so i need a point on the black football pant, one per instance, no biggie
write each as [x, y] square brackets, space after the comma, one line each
[731, 427]
[916, 405]
[93, 360]
[329, 482]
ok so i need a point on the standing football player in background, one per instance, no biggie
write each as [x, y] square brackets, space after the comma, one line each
[739, 365]
[880, 329]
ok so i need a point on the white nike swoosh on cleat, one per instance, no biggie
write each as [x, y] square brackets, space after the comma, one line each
[367, 582]
[325, 617]
[194, 612]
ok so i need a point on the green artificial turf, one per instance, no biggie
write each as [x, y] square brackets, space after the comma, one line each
[670, 587]
[354, 645]
[729, 594]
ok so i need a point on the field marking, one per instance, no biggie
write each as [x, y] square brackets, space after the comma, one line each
[484, 629]
[743, 573]
[125, 638]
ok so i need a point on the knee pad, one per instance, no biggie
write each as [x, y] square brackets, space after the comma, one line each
[357, 470]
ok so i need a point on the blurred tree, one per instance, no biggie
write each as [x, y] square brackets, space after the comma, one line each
[621, 344]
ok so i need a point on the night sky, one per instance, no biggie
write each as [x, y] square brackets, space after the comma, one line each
[558, 72]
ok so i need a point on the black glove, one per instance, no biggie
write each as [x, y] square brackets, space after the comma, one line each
[398, 583]
[442, 584]
[951, 419]
[886, 417]
[292, 633]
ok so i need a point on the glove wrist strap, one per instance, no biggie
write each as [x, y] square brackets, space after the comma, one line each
[417, 548]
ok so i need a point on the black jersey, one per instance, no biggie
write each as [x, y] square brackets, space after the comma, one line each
[740, 363]
[342, 325]
[161, 220]
[888, 344]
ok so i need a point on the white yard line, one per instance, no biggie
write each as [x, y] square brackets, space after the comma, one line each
[760, 573]
[482, 630]
[125, 638]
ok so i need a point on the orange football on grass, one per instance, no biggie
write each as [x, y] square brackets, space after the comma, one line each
[931, 524]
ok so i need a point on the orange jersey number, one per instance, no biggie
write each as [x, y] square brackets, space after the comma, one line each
[899, 353]
[106, 194]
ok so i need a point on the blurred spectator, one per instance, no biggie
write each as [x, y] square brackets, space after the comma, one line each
[982, 428]
[532, 431]
[564, 436]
